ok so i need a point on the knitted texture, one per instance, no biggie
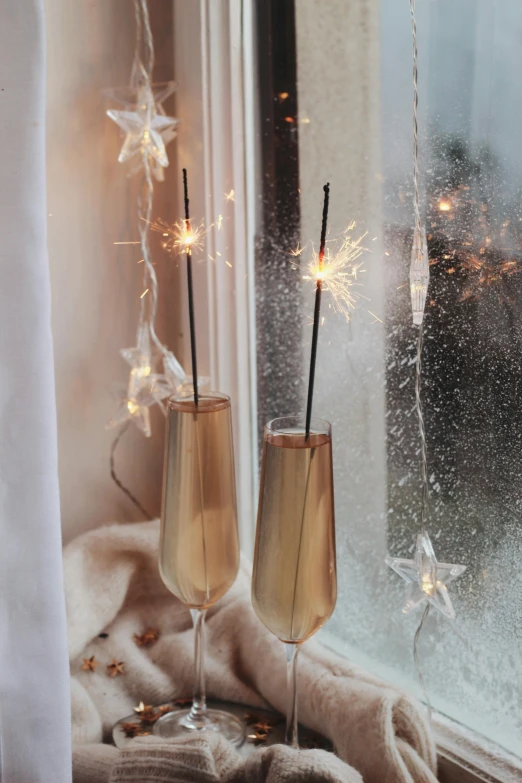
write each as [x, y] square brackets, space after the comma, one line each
[113, 586]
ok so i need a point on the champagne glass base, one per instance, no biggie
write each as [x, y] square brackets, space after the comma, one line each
[180, 723]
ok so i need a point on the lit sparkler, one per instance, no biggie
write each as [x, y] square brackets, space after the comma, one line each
[338, 270]
[181, 236]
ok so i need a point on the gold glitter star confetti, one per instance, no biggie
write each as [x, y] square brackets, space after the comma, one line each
[257, 737]
[147, 638]
[259, 727]
[115, 668]
[183, 702]
[164, 710]
[146, 713]
[134, 730]
[263, 726]
[90, 664]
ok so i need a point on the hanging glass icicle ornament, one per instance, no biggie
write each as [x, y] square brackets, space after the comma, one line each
[426, 579]
[419, 267]
[419, 274]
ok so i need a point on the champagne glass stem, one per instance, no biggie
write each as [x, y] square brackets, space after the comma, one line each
[292, 650]
[199, 706]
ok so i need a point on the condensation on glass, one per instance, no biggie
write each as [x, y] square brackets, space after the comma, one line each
[352, 116]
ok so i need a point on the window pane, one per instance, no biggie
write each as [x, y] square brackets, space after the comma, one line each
[352, 119]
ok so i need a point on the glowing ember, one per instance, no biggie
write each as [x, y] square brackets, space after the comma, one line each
[444, 205]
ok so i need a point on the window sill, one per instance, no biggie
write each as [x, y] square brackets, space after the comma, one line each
[466, 757]
[463, 755]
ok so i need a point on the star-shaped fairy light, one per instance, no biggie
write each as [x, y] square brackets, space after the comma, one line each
[419, 275]
[145, 387]
[426, 578]
[177, 381]
[147, 128]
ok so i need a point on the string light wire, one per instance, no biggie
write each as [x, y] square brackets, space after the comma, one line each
[416, 197]
[142, 69]
[422, 431]
[117, 480]
[420, 340]
[417, 661]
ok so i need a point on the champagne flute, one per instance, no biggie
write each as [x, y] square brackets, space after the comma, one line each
[199, 544]
[294, 583]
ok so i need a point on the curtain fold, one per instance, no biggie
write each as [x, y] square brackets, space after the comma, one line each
[34, 677]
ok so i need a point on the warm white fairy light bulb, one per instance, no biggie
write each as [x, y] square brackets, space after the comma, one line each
[425, 578]
[144, 388]
[147, 128]
[147, 133]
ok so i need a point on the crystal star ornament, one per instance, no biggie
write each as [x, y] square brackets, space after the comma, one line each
[426, 578]
[419, 274]
[145, 387]
[178, 381]
[148, 129]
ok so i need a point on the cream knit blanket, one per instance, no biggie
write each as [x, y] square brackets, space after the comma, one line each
[113, 586]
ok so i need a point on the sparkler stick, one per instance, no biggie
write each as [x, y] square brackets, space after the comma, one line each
[317, 310]
[190, 293]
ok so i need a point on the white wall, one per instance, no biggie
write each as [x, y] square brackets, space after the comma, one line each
[95, 284]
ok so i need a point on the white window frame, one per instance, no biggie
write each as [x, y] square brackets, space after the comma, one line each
[217, 98]
[215, 101]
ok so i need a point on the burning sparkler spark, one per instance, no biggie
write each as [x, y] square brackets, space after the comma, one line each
[376, 317]
[180, 237]
[230, 196]
[338, 271]
[297, 252]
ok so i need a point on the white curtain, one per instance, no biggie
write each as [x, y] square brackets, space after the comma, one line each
[34, 687]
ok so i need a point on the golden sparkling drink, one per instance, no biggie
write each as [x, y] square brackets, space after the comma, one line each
[199, 546]
[294, 584]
